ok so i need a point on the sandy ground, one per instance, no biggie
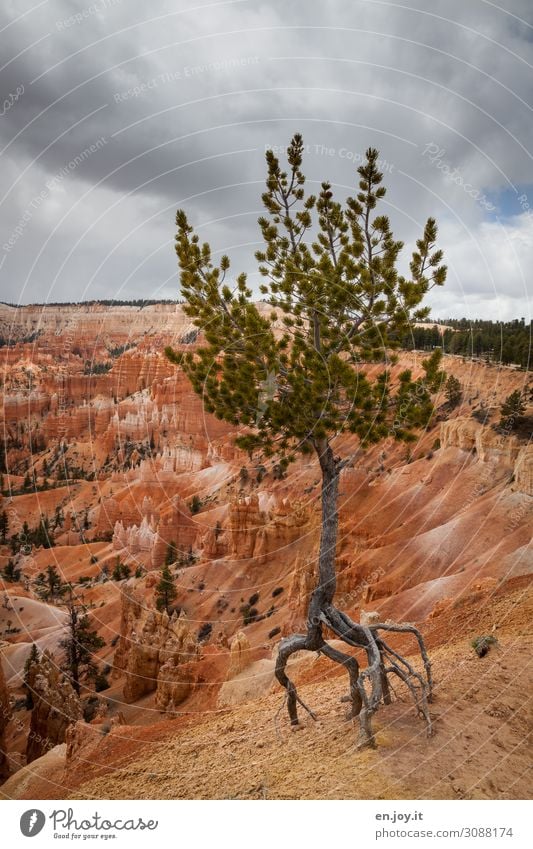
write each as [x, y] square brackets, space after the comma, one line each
[480, 749]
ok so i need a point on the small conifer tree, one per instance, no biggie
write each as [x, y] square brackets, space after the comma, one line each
[165, 591]
[295, 376]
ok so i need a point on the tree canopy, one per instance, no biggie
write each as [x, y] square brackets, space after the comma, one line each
[289, 371]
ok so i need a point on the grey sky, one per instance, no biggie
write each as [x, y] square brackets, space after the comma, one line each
[115, 113]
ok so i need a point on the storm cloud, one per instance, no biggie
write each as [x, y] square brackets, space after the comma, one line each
[116, 113]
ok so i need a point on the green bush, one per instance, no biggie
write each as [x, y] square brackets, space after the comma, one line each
[196, 504]
[101, 682]
[483, 644]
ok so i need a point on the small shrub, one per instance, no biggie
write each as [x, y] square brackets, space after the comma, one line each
[481, 415]
[89, 708]
[253, 599]
[196, 504]
[274, 632]
[249, 614]
[483, 644]
[253, 615]
[101, 682]
[205, 632]
[277, 592]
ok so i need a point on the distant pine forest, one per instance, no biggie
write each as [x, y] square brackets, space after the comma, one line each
[507, 342]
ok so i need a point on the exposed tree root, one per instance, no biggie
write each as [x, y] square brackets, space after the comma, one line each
[367, 687]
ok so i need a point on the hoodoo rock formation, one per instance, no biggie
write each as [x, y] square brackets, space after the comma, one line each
[155, 652]
[56, 705]
[239, 654]
[105, 440]
[257, 533]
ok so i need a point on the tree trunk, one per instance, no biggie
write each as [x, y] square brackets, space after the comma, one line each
[327, 581]
[322, 612]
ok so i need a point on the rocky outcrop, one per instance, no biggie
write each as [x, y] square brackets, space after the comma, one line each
[4, 719]
[523, 471]
[253, 532]
[175, 681]
[175, 527]
[81, 737]
[303, 582]
[239, 654]
[141, 528]
[469, 435]
[56, 705]
[151, 649]
[244, 522]
[489, 444]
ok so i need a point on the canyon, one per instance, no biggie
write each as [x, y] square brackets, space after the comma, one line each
[105, 440]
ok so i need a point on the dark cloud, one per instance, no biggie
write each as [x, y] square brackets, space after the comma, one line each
[126, 111]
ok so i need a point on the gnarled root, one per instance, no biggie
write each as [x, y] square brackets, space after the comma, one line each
[383, 662]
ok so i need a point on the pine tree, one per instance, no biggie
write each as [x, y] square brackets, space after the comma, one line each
[165, 590]
[4, 525]
[121, 571]
[58, 517]
[334, 290]
[11, 572]
[171, 553]
[453, 391]
[49, 584]
[512, 409]
[33, 657]
[80, 644]
[43, 535]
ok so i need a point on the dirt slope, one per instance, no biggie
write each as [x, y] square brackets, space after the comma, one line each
[481, 719]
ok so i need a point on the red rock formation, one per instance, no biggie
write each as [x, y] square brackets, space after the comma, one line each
[176, 527]
[239, 654]
[5, 713]
[56, 705]
[303, 582]
[151, 648]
